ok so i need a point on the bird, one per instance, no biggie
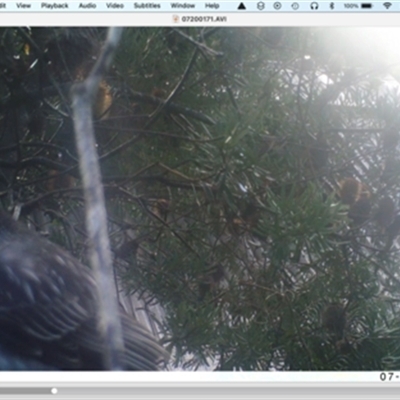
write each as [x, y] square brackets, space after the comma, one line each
[49, 310]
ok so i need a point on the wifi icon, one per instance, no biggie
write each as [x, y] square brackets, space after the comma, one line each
[387, 5]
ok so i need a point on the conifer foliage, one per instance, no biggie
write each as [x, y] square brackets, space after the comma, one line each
[251, 179]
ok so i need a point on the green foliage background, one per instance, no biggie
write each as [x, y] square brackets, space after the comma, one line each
[222, 156]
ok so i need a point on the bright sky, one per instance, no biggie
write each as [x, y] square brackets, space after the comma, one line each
[386, 38]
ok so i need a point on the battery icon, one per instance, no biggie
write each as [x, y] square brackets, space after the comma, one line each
[366, 5]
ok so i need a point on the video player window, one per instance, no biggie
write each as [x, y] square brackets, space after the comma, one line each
[251, 179]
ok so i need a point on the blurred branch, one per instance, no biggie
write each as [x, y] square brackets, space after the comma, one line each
[96, 221]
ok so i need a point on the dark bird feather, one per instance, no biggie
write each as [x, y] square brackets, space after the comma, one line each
[49, 311]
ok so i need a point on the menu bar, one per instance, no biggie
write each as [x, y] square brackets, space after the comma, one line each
[196, 6]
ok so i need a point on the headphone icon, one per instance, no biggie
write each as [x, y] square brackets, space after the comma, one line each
[314, 6]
